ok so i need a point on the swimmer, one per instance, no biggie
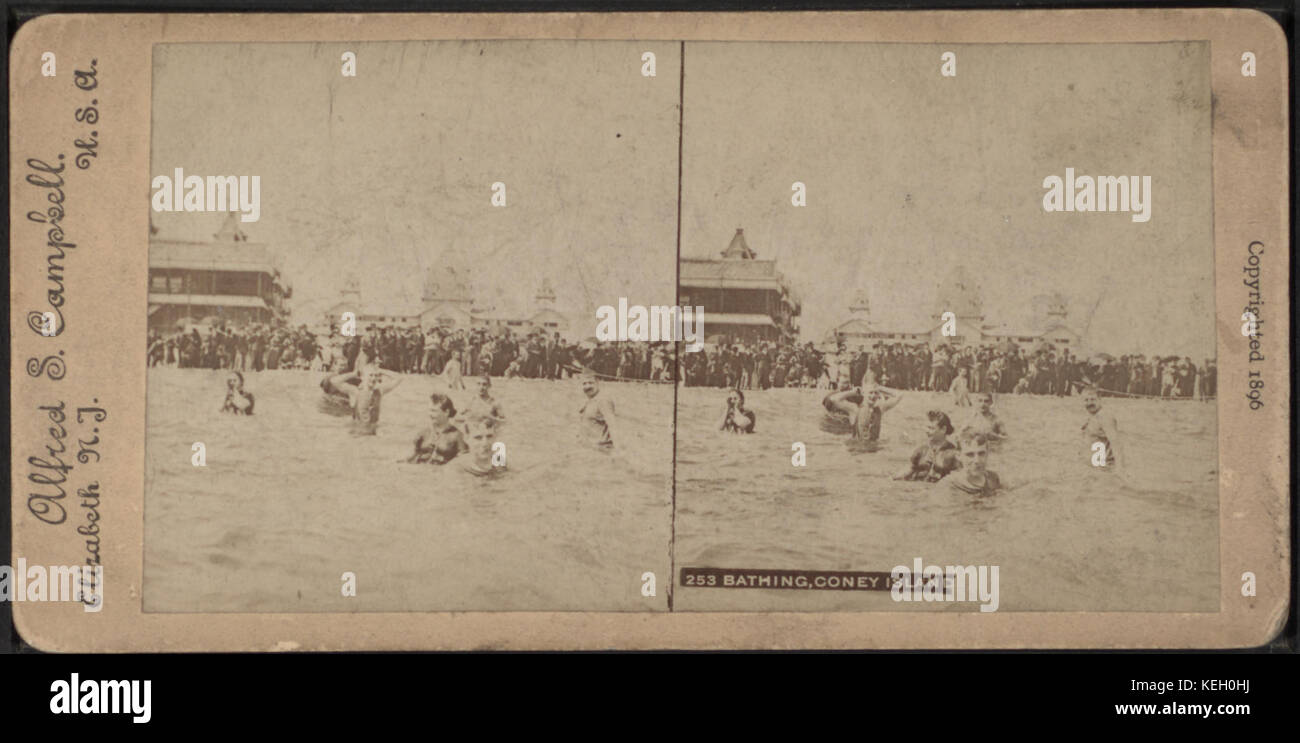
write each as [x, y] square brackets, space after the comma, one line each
[366, 399]
[440, 441]
[936, 458]
[974, 478]
[597, 414]
[1100, 427]
[484, 404]
[481, 432]
[735, 418]
[336, 398]
[864, 406]
[451, 373]
[239, 401]
[960, 389]
[986, 421]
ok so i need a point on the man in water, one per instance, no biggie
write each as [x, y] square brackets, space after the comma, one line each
[366, 399]
[735, 418]
[484, 404]
[864, 406]
[597, 413]
[985, 421]
[975, 478]
[936, 458]
[1100, 428]
[480, 430]
[238, 400]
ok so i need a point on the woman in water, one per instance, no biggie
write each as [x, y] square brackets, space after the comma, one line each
[239, 401]
[864, 406]
[366, 399]
[481, 432]
[937, 457]
[1100, 428]
[597, 415]
[440, 441]
[974, 478]
[735, 418]
[985, 421]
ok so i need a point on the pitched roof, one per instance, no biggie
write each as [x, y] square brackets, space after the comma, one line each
[738, 249]
[211, 256]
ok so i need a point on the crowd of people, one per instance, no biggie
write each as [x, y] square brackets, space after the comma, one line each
[494, 351]
[1008, 369]
[535, 354]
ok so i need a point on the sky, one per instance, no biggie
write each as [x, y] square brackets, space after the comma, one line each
[908, 173]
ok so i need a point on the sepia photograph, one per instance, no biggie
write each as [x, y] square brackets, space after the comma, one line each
[921, 358]
[389, 361]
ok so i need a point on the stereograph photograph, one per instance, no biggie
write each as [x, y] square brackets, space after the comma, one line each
[457, 440]
[924, 291]
[820, 330]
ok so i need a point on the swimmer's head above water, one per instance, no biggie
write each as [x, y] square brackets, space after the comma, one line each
[235, 381]
[590, 386]
[484, 386]
[736, 399]
[986, 402]
[974, 451]
[441, 410]
[1090, 402]
[480, 432]
[939, 426]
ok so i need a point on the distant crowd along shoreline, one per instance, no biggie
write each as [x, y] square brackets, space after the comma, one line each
[536, 354]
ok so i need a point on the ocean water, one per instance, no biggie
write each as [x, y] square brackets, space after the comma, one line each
[1069, 537]
[289, 501]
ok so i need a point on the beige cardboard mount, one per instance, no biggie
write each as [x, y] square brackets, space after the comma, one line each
[97, 361]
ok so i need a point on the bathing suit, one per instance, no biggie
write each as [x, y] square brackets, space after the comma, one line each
[731, 427]
[991, 484]
[873, 425]
[438, 448]
[596, 423]
[229, 405]
[365, 416]
[930, 464]
[1094, 432]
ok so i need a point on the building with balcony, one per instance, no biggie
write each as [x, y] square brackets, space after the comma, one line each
[226, 280]
[745, 299]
